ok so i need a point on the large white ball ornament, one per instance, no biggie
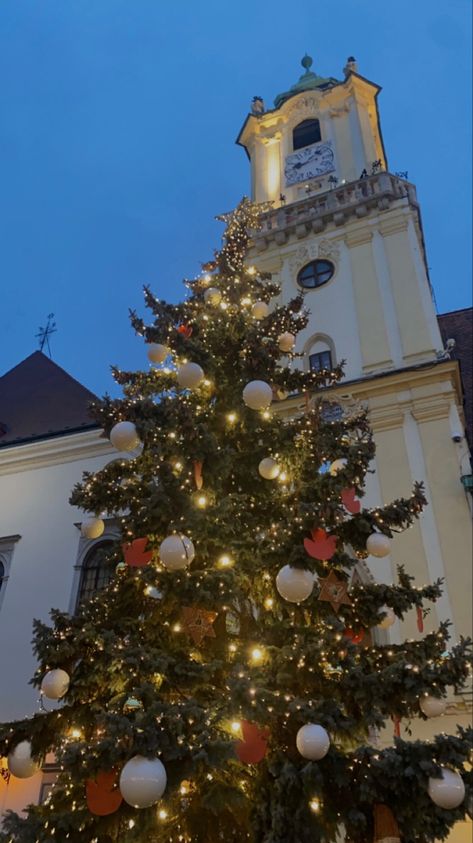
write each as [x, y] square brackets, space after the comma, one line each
[176, 552]
[124, 436]
[92, 528]
[432, 706]
[156, 352]
[389, 617]
[286, 341]
[212, 296]
[294, 584]
[20, 762]
[378, 545]
[448, 791]
[337, 465]
[142, 781]
[312, 741]
[260, 310]
[189, 375]
[269, 469]
[257, 395]
[55, 684]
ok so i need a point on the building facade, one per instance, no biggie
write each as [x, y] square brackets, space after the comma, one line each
[348, 233]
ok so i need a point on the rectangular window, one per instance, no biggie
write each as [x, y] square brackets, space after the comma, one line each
[321, 360]
[7, 546]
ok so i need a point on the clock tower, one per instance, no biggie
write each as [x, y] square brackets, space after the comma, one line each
[348, 233]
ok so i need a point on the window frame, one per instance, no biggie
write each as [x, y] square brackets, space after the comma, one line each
[85, 546]
[84, 591]
[320, 354]
[316, 275]
[7, 547]
[312, 122]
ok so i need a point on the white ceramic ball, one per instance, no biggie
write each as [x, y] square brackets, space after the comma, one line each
[389, 617]
[257, 395]
[142, 781]
[448, 791]
[176, 552]
[269, 468]
[432, 706]
[124, 436]
[92, 528]
[189, 375]
[212, 296]
[20, 762]
[286, 341]
[312, 741]
[378, 545]
[55, 684]
[337, 465]
[156, 352]
[260, 310]
[294, 584]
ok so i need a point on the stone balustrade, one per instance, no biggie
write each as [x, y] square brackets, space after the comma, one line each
[357, 198]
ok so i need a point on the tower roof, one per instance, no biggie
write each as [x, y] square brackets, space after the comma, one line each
[38, 399]
[307, 82]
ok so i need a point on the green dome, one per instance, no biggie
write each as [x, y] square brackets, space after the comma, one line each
[308, 82]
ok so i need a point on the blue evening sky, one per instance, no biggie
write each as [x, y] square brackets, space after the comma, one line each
[118, 121]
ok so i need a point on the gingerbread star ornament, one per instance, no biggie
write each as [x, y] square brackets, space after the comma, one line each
[334, 591]
[198, 623]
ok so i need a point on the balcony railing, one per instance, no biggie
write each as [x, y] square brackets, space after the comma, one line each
[356, 198]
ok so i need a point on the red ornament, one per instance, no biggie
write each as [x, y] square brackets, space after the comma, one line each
[354, 635]
[420, 619]
[397, 725]
[350, 501]
[198, 479]
[135, 554]
[103, 795]
[322, 546]
[185, 330]
[254, 746]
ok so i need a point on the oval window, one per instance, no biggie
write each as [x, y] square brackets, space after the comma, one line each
[315, 273]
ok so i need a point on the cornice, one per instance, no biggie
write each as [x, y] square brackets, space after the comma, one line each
[58, 449]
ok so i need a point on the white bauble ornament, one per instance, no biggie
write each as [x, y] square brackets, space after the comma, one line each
[312, 741]
[389, 618]
[286, 341]
[260, 310]
[92, 528]
[432, 706]
[448, 791]
[337, 465]
[142, 781]
[156, 352]
[294, 584]
[20, 762]
[55, 684]
[212, 296]
[257, 395]
[189, 375]
[268, 468]
[176, 552]
[378, 545]
[124, 436]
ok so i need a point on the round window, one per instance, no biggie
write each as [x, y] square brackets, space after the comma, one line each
[315, 273]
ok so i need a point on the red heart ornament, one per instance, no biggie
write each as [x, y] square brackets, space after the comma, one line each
[354, 635]
[350, 501]
[254, 746]
[322, 546]
[103, 795]
[135, 554]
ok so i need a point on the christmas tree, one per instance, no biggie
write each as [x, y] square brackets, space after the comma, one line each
[232, 680]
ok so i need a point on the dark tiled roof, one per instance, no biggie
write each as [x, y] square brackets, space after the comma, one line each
[38, 399]
[458, 325]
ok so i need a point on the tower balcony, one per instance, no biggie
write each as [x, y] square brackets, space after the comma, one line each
[356, 199]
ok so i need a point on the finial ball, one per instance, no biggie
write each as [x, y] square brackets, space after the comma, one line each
[307, 61]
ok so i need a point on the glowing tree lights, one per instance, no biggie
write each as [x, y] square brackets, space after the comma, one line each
[229, 681]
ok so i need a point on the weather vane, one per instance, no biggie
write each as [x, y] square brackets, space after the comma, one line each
[44, 333]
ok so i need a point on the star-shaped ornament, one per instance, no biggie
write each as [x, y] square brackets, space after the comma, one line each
[334, 591]
[198, 623]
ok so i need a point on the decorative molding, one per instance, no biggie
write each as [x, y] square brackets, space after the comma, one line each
[301, 256]
[58, 449]
[358, 237]
[307, 103]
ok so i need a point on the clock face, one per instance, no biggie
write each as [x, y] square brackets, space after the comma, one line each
[310, 162]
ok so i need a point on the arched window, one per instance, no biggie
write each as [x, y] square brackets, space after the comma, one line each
[97, 571]
[315, 274]
[306, 133]
[320, 353]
